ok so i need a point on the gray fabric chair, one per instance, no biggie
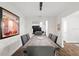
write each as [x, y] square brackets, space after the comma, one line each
[25, 38]
[28, 36]
[53, 37]
[40, 51]
[50, 35]
[38, 33]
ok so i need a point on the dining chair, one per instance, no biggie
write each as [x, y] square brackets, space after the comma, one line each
[38, 33]
[53, 37]
[25, 38]
[50, 35]
[36, 28]
[28, 36]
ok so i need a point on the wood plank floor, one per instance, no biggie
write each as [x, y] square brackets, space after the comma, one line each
[69, 50]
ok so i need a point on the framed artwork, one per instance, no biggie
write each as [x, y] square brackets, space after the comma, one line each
[9, 23]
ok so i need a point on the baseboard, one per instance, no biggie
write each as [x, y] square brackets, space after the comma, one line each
[71, 41]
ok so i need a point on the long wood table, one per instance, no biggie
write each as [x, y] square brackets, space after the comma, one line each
[40, 46]
[40, 41]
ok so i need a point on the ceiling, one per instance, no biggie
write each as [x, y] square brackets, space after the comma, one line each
[48, 9]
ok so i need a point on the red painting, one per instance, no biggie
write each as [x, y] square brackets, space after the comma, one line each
[9, 24]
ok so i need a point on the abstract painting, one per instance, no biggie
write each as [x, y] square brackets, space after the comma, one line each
[9, 24]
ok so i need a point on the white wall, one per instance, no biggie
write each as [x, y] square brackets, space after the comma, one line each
[72, 32]
[9, 45]
[52, 25]
[59, 32]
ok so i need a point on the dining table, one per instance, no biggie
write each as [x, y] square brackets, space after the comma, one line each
[40, 45]
[41, 40]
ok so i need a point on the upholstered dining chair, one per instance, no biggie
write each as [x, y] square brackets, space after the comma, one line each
[28, 36]
[38, 33]
[25, 38]
[50, 35]
[53, 37]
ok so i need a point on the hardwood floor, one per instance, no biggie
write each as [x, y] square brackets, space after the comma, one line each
[69, 50]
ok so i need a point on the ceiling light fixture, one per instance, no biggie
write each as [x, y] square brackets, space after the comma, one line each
[41, 4]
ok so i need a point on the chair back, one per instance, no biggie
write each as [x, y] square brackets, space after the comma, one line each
[53, 37]
[36, 28]
[50, 35]
[38, 33]
[28, 36]
[24, 39]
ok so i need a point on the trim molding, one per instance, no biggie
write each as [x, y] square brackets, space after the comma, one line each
[71, 41]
